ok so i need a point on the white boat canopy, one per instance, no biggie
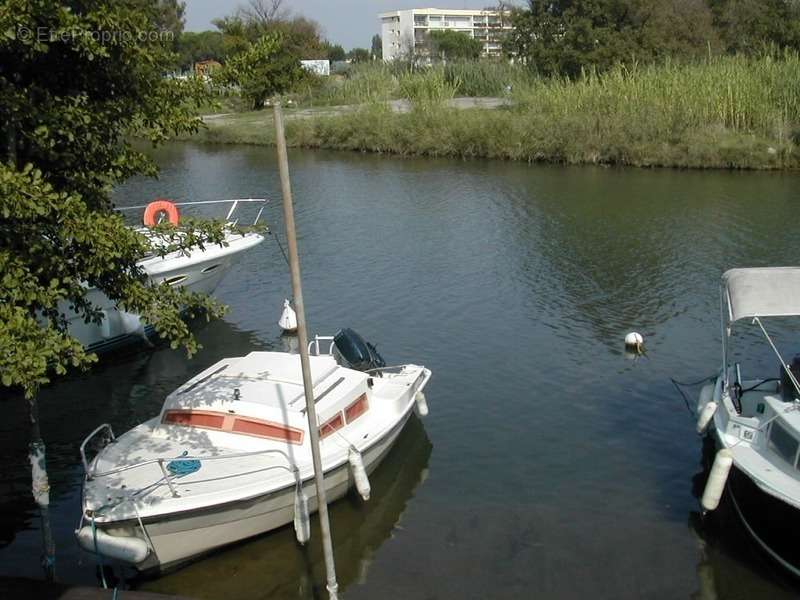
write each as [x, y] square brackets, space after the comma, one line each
[762, 292]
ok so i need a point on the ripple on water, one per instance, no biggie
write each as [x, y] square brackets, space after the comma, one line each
[549, 465]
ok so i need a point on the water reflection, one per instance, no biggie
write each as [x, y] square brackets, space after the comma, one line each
[275, 566]
[124, 389]
[561, 469]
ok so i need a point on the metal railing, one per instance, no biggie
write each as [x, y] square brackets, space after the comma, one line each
[315, 345]
[92, 473]
[235, 202]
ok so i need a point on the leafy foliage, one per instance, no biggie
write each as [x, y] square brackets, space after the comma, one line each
[76, 81]
[564, 37]
[264, 69]
[453, 45]
[360, 55]
[336, 53]
[377, 47]
[193, 47]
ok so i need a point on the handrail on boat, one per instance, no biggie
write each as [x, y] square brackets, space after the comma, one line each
[91, 474]
[235, 201]
[315, 344]
[389, 368]
[89, 437]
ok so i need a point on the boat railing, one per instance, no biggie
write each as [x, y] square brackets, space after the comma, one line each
[162, 462]
[388, 369]
[313, 345]
[231, 216]
[89, 437]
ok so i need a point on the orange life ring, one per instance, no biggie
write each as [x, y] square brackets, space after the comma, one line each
[156, 208]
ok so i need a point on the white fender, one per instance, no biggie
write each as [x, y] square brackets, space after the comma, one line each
[302, 522]
[715, 485]
[706, 393]
[422, 404]
[132, 550]
[359, 474]
[705, 416]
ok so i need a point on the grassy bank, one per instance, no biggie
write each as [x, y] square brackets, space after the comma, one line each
[728, 112]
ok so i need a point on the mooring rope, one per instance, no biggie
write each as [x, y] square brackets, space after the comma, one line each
[278, 240]
[679, 385]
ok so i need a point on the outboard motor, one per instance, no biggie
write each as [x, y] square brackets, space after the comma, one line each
[359, 354]
[788, 392]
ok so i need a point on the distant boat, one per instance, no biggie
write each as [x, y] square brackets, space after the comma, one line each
[198, 269]
[755, 421]
[229, 455]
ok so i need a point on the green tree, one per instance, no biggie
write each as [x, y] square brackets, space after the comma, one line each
[359, 55]
[76, 81]
[264, 69]
[193, 47]
[336, 53]
[567, 36]
[453, 45]
[751, 25]
[682, 29]
[377, 47]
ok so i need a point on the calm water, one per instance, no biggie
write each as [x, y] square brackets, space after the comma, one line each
[550, 465]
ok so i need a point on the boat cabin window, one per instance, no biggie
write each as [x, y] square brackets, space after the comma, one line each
[782, 443]
[331, 425]
[233, 424]
[357, 408]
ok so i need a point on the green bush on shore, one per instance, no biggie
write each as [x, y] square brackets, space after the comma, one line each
[728, 112]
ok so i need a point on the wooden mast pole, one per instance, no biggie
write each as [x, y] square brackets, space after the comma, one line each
[302, 335]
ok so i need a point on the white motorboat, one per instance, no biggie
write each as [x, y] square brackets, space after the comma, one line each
[198, 269]
[755, 421]
[229, 456]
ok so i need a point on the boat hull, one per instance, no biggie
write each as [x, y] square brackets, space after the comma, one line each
[772, 523]
[201, 272]
[181, 537]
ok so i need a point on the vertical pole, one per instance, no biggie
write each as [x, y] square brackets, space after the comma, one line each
[41, 491]
[302, 338]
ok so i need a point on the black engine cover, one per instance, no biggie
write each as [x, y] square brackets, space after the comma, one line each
[359, 354]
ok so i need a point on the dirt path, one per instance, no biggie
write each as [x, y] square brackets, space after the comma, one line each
[398, 106]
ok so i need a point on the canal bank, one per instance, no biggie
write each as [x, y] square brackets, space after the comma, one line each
[550, 465]
[730, 112]
[509, 134]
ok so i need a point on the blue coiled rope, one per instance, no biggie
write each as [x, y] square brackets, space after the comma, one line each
[183, 466]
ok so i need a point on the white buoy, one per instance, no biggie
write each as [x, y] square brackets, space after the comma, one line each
[422, 404]
[634, 341]
[704, 418]
[715, 485]
[302, 522]
[288, 320]
[359, 474]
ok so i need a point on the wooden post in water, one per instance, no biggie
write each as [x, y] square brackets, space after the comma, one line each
[302, 338]
[41, 490]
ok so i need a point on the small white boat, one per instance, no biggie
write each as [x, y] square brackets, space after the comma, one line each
[228, 457]
[755, 421]
[199, 270]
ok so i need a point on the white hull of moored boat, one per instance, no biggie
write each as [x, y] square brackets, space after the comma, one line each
[179, 538]
[201, 271]
[755, 422]
[229, 456]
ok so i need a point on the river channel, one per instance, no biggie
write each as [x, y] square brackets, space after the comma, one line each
[551, 465]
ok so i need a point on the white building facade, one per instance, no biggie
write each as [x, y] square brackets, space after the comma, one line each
[404, 32]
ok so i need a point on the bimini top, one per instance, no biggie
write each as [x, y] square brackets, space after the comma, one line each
[762, 292]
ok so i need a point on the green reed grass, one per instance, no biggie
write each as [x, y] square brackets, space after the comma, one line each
[727, 112]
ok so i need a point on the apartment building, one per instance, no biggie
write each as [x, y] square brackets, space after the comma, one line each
[404, 32]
